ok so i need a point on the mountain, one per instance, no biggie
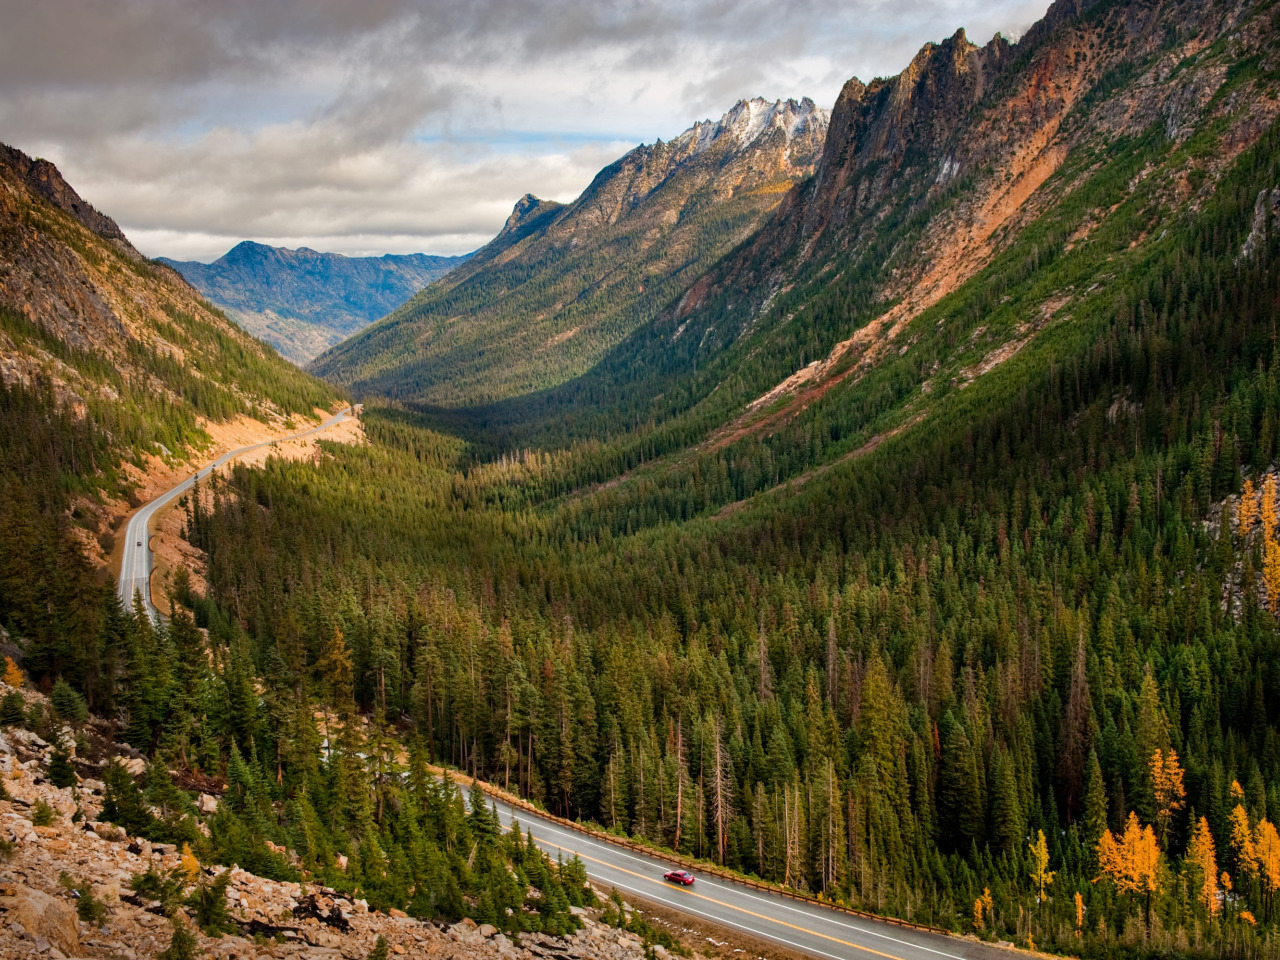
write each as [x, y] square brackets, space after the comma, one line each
[561, 285]
[918, 552]
[302, 302]
[110, 365]
[927, 183]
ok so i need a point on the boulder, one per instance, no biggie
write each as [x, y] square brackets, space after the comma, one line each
[487, 930]
[207, 804]
[43, 916]
[109, 831]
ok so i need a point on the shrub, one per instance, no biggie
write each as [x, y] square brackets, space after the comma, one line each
[13, 709]
[183, 944]
[61, 772]
[88, 907]
[68, 703]
[42, 814]
[208, 902]
[164, 887]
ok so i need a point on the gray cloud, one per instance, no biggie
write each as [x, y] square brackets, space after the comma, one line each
[396, 125]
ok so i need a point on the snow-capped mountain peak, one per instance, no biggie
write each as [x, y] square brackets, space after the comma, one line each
[749, 120]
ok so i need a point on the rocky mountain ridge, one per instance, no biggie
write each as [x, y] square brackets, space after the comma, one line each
[303, 301]
[43, 178]
[562, 284]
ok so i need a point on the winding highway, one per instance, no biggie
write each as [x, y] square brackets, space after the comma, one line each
[797, 925]
[803, 927]
[136, 562]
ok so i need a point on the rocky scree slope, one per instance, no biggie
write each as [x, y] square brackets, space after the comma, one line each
[301, 301]
[271, 919]
[561, 285]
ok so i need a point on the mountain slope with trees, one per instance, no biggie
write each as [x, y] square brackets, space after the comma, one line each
[301, 301]
[561, 285]
[925, 554]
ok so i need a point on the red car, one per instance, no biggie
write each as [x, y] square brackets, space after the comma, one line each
[678, 876]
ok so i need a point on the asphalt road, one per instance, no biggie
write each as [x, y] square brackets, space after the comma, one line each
[137, 563]
[806, 928]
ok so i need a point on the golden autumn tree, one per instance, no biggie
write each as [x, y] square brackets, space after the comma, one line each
[1132, 860]
[1271, 574]
[1268, 507]
[1167, 787]
[1247, 515]
[982, 908]
[13, 675]
[1266, 844]
[1041, 875]
[1079, 898]
[1242, 841]
[1203, 856]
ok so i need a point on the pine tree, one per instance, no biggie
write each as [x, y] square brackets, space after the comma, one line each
[1094, 816]
[1009, 826]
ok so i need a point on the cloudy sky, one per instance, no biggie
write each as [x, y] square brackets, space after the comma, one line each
[391, 126]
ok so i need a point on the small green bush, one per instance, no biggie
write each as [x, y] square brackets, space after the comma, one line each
[61, 772]
[208, 902]
[88, 907]
[13, 709]
[42, 814]
[183, 944]
[68, 703]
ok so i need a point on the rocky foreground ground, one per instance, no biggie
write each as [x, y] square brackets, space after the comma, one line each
[38, 915]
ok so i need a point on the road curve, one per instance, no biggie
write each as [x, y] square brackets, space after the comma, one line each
[136, 563]
[806, 928]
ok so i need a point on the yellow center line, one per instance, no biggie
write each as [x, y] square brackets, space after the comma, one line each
[729, 906]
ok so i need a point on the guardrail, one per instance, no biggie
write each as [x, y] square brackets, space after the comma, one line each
[729, 876]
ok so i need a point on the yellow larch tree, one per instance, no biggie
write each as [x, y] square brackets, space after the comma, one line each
[1247, 515]
[1132, 860]
[1079, 898]
[982, 908]
[1202, 854]
[1266, 844]
[1041, 875]
[1166, 785]
[13, 675]
[1271, 574]
[1269, 508]
[1242, 841]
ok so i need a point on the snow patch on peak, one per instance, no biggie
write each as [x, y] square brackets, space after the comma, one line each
[749, 120]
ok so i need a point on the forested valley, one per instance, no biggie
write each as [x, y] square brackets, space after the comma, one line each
[991, 646]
